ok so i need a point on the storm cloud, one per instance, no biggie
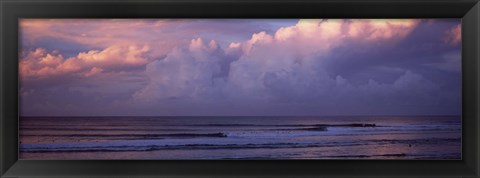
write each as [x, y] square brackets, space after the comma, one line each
[241, 67]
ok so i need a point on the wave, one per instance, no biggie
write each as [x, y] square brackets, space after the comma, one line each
[186, 135]
[155, 146]
[100, 129]
[288, 125]
[124, 148]
[223, 125]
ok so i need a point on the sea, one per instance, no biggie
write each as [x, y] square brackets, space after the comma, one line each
[257, 138]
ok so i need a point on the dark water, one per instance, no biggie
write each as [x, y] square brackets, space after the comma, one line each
[339, 137]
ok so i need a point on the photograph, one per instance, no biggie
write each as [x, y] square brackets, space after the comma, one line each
[239, 89]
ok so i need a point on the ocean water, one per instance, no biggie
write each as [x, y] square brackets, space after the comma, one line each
[335, 137]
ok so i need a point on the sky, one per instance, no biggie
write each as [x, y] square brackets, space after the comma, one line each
[239, 67]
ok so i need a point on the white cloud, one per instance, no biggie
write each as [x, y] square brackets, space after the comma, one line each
[283, 71]
[283, 68]
[185, 72]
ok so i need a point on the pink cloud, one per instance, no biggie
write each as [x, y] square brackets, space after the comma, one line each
[317, 35]
[285, 67]
[103, 33]
[40, 63]
[454, 35]
[381, 28]
[291, 57]
[304, 43]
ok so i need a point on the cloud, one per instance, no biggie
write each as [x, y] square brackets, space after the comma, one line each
[313, 67]
[381, 29]
[287, 70]
[72, 35]
[186, 72]
[450, 62]
[454, 35]
[300, 53]
[315, 35]
[43, 64]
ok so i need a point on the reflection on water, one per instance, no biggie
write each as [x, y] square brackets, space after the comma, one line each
[339, 137]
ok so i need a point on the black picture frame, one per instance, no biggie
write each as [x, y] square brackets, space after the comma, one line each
[12, 10]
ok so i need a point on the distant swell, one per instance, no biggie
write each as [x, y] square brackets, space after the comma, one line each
[152, 147]
[368, 156]
[289, 125]
[186, 135]
[169, 147]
